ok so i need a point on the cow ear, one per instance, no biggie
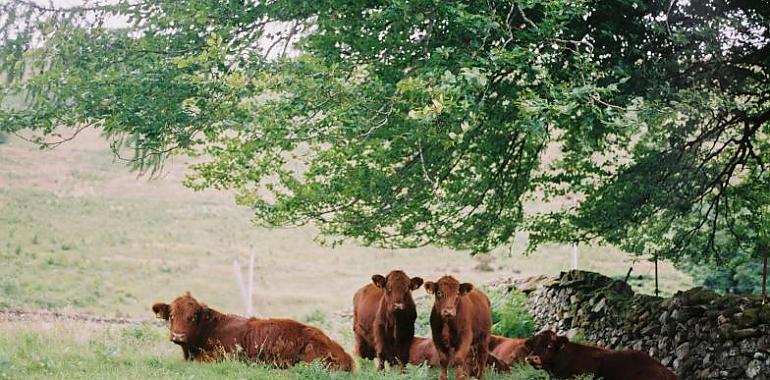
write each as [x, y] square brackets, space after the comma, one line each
[465, 288]
[379, 281]
[161, 310]
[415, 283]
[530, 344]
[205, 313]
[561, 342]
[430, 287]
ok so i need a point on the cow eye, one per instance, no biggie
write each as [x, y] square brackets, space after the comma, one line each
[439, 294]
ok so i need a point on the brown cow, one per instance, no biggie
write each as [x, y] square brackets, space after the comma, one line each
[206, 334]
[423, 351]
[565, 359]
[383, 318]
[461, 323]
[508, 350]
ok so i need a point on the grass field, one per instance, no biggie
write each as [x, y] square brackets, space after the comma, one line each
[80, 233]
[40, 350]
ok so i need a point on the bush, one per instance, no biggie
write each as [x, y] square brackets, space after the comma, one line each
[316, 318]
[742, 274]
[510, 316]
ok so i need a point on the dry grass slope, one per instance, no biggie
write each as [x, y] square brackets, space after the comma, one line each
[78, 231]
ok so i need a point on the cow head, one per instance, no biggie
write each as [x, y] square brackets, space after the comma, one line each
[544, 348]
[185, 316]
[448, 293]
[398, 289]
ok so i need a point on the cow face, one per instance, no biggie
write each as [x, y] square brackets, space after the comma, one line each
[544, 348]
[398, 289]
[448, 293]
[185, 316]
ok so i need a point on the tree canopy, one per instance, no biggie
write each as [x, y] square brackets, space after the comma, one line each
[415, 122]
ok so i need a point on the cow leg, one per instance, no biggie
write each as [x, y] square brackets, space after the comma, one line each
[205, 356]
[385, 357]
[403, 356]
[364, 350]
[444, 362]
[460, 370]
[443, 374]
[481, 362]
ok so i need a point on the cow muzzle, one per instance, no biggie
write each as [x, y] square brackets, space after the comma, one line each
[448, 313]
[178, 338]
[534, 361]
[398, 306]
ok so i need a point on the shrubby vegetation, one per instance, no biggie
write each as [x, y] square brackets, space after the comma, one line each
[738, 275]
[510, 315]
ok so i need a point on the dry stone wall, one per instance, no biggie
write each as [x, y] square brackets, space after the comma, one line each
[697, 333]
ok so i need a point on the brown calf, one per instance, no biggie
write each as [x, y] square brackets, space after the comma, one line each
[383, 318]
[423, 351]
[508, 350]
[206, 334]
[565, 359]
[461, 322]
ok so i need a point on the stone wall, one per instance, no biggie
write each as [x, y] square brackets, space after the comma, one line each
[699, 334]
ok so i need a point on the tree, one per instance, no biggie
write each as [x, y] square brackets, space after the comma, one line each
[429, 122]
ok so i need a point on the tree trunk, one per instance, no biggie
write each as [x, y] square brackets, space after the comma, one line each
[766, 252]
[657, 292]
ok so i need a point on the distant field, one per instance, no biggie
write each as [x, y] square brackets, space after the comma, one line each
[79, 232]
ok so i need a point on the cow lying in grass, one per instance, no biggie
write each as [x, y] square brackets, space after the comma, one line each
[206, 334]
[508, 351]
[423, 351]
[564, 359]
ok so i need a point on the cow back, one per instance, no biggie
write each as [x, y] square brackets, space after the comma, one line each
[422, 351]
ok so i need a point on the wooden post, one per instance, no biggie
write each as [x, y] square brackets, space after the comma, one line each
[766, 251]
[241, 284]
[628, 275]
[574, 256]
[250, 291]
[657, 292]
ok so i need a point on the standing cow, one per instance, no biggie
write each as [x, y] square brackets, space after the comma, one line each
[383, 318]
[461, 323]
[206, 334]
[565, 359]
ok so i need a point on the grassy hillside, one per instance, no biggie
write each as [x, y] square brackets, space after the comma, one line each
[79, 232]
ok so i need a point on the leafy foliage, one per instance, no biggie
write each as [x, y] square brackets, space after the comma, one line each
[510, 315]
[738, 275]
[407, 123]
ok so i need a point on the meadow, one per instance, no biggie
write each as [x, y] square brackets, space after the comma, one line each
[80, 233]
[40, 350]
